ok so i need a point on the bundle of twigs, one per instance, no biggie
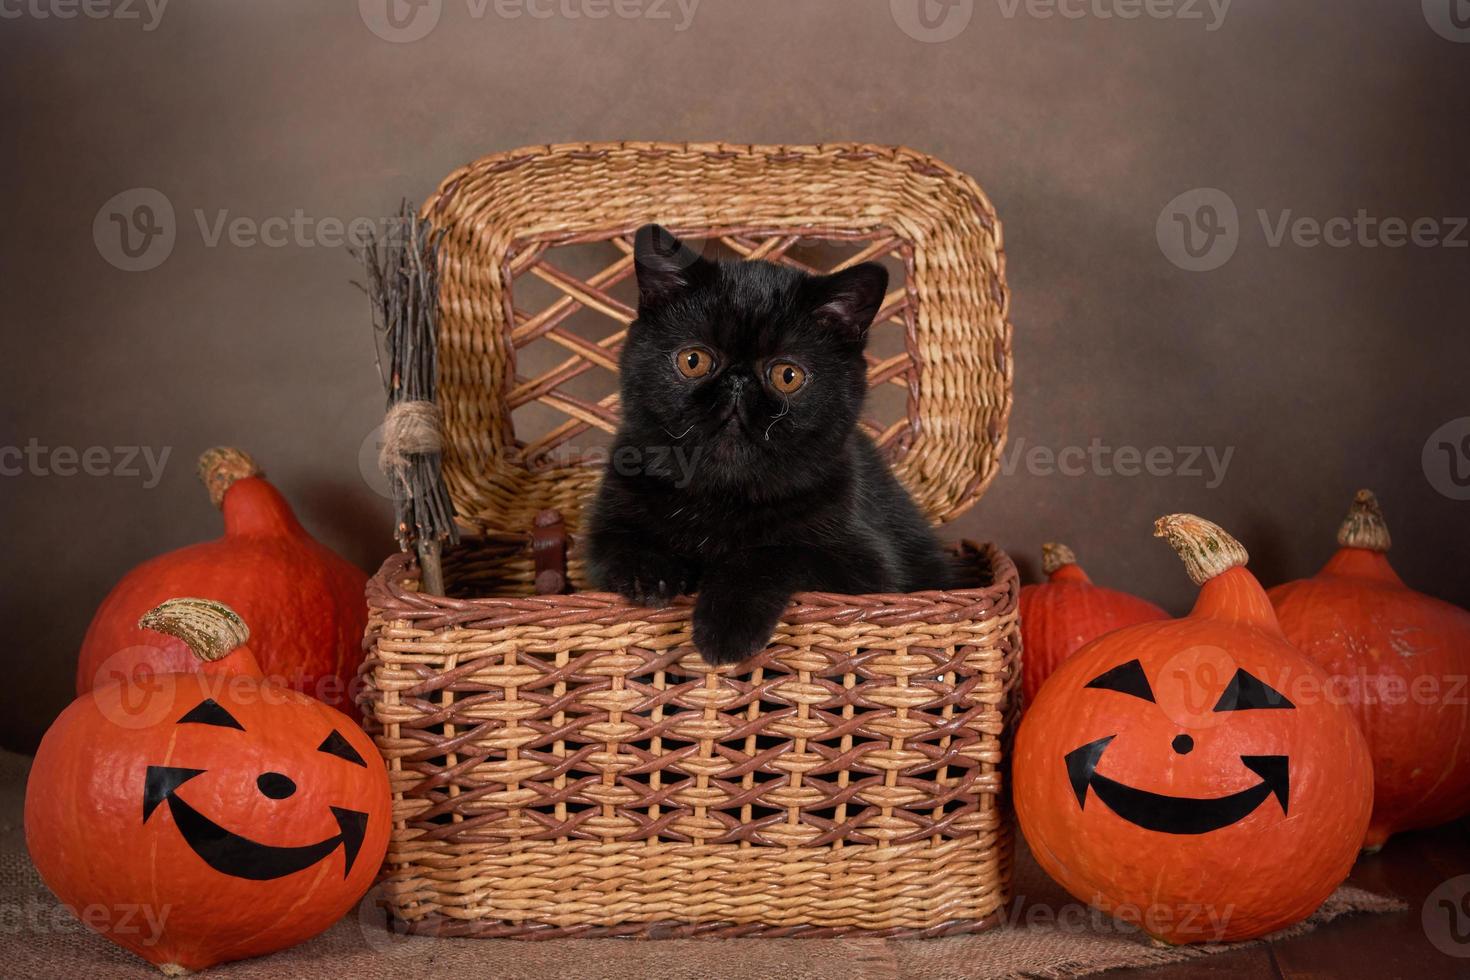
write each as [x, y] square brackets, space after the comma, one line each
[402, 266]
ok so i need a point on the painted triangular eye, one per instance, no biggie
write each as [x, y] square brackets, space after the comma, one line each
[1125, 678]
[1245, 692]
[335, 744]
[209, 712]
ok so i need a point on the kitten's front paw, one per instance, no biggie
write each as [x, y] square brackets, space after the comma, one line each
[649, 579]
[732, 634]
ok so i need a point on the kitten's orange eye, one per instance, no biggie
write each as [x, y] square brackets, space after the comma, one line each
[786, 377]
[694, 362]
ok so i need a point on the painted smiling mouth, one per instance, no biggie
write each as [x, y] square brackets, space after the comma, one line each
[1176, 814]
[229, 853]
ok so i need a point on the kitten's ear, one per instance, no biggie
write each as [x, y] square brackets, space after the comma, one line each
[664, 265]
[848, 300]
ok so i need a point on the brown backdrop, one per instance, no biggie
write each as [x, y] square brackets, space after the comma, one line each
[1321, 368]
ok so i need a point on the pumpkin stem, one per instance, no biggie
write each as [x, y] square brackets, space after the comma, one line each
[210, 629]
[221, 466]
[1364, 526]
[1054, 556]
[1207, 550]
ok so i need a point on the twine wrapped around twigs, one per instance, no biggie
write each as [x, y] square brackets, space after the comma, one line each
[402, 266]
[411, 429]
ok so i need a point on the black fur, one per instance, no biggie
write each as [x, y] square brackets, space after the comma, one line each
[724, 485]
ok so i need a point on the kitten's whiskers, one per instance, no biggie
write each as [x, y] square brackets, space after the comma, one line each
[785, 410]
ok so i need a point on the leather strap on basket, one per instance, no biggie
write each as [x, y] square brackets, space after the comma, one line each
[549, 552]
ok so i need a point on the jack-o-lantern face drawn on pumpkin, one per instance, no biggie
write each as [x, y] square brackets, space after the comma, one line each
[245, 816]
[1182, 814]
[1192, 771]
[233, 854]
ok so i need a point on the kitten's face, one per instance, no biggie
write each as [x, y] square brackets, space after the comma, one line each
[756, 368]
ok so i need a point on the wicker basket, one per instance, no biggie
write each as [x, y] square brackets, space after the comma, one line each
[566, 765]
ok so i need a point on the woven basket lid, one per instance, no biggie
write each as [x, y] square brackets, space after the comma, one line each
[509, 221]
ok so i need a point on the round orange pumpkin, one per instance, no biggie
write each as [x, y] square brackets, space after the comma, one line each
[1400, 659]
[1189, 776]
[206, 816]
[1066, 612]
[304, 602]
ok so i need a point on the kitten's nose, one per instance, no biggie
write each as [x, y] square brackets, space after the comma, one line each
[735, 389]
[733, 402]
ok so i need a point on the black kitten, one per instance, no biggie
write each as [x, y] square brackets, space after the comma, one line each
[739, 469]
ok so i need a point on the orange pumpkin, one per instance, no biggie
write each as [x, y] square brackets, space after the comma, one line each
[1189, 776]
[206, 816]
[304, 602]
[1400, 659]
[1066, 612]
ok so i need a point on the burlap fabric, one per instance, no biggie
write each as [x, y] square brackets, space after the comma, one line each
[1047, 935]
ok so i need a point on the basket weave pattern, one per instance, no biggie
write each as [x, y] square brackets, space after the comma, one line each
[567, 765]
[571, 755]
